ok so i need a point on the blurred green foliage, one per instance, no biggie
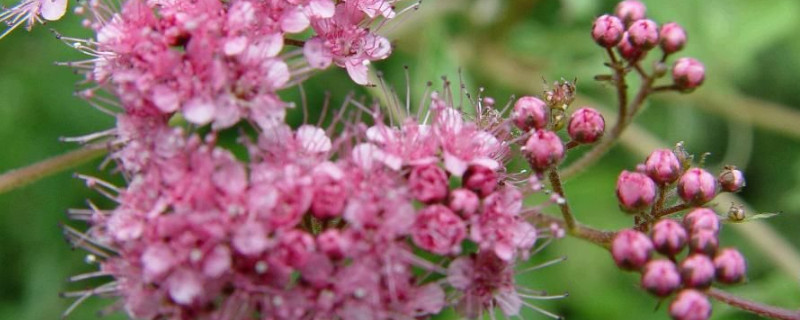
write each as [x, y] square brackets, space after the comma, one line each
[750, 48]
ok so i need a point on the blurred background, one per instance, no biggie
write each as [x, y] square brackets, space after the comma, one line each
[747, 113]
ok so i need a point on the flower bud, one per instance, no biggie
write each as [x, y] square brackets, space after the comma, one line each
[543, 150]
[697, 271]
[631, 249]
[730, 266]
[607, 30]
[627, 50]
[480, 180]
[688, 73]
[630, 10]
[428, 183]
[663, 166]
[333, 244]
[704, 241]
[643, 34]
[669, 237]
[529, 113]
[690, 304]
[701, 219]
[697, 186]
[438, 230]
[586, 125]
[731, 179]
[464, 202]
[661, 277]
[635, 191]
[673, 37]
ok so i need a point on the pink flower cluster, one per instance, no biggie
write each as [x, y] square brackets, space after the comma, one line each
[218, 61]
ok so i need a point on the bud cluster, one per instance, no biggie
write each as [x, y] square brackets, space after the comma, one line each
[634, 35]
[687, 275]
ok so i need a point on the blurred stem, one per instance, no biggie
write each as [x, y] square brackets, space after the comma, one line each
[18, 178]
[754, 307]
[599, 237]
[569, 219]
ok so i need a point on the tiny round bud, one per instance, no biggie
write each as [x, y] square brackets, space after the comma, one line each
[544, 149]
[731, 179]
[669, 237]
[730, 266]
[586, 125]
[697, 271]
[529, 113]
[673, 37]
[607, 30]
[663, 166]
[627, 50]
[736, 213]
[643, 34]
[661, 277]
[630, 10]
[428, 183]
[688, 73]
[697, 186]
[631, 249]
[690, 304]
[480, 180]
[701, 219]
[464, 202]
[635, 191]
[704, 241]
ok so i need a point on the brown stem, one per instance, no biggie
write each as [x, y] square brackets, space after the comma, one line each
[671, 210]
[572, 144]
[599, 237]
[20, 177]
[569, 219]
[293, 42]
[752, 306]
[662, 196]
[671, 87]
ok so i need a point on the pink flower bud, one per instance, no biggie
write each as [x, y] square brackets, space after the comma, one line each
[690, 304]
[643, 34]
[669, 237]
[663, 166]
[428, 183]
[333, 244]
[697, 186]
[330, 191]
[697, 271]
[688, 73]
[704, 241]
[480, 180]
[635, 191]
[543, 150]
[673, 37]
[661, 277]
[607, 30]
[731, 179]
[701, 219]
[631, 249]
[630, 10]
[529, 113]
[730, 266]
[438, 230]
[627, 50]
[586, 125]
[464, 202]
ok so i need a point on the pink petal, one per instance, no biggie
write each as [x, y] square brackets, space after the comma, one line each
[53, 9]
[317, 54]
[322, 8]
[294, 21]
[358, 71]
[198, 111]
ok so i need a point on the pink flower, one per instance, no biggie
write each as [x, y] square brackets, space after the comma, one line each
[428, 183]
[29, 12]
[438, 230]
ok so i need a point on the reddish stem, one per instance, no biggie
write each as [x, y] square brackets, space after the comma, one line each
[752, 306]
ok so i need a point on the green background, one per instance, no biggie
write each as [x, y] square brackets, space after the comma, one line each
[746, 114]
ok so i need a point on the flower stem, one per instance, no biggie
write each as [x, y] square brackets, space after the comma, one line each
[754, 307]
[598, 237]
[23, 176]
[569, 219]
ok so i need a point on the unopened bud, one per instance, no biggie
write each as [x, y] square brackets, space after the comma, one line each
[630, 10]
[543, 150]
[635, 191]
[731, 179]
[464, 202]
[688, 73]
[663, 166]
[643, 34]
[586, 125]
[428, 183]
[529, 113]
[627, 50]
[661, 277]
[631, 249]
[704, 241]
[697, 186]
[701, 219]
[730, 266]
[673, 37]
[607, 30]
[669, 237]
[480, 180]
[690, 304]
[697, 271]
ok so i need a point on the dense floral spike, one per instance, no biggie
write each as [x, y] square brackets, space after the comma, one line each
[688, 73]
[607, 30]
[661, 277]
[731, 179]
[690, 304]
[663, 166]
[697, 186]
[730, 266]
[631, 249]
[635, 191]
[673, 37]
[586, 125]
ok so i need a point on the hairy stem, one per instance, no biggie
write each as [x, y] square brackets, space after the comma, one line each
[754, 307]
[23, 176]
